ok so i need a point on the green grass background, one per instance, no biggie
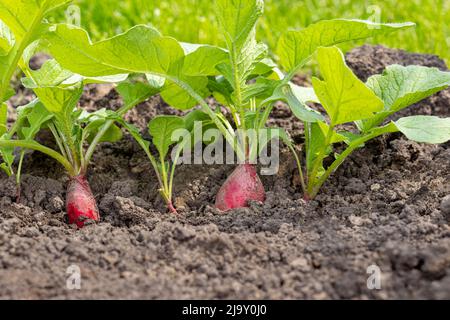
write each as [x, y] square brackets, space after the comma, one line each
[194, 20]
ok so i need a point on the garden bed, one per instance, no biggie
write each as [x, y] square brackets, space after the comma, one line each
[389, 206]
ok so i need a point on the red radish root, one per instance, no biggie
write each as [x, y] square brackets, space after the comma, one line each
[80, 202]
[171, 208]
[241, 186]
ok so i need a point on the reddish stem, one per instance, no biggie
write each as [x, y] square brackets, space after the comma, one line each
[171, 208]
[18, 194]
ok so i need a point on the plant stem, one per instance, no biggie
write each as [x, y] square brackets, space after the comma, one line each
[228, 136]
[339, 160]
[65, 133]
[18, 176]
[299, 166]
[52, 128]
[240, 122]
[105, 127]
[174, 164]
[164, 175]
[39, 147]
[312, 177]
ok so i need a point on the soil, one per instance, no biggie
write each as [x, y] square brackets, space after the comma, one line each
[388, 206]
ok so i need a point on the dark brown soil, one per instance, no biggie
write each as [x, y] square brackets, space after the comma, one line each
[388, 205]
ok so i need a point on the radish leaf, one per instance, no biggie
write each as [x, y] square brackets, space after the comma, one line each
[135, 93]
[400, 87]
[428, 129]
[203, 61]
[141, 49]
[36, 118]
[20, 16]
[21, 24]
[161, 129]
[342, 94]
[178, 97]
[295, 48]
[238, 19]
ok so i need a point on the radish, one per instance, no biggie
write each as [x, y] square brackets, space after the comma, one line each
[240, 187]
[76, 132]
[80, 202]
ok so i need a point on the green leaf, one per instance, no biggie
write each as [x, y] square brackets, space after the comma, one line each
[199, 117]
[221, 89]
[203, 61]
[51, 74]
[25, 110]
[141, 50]
[298, 107]
[21, 16]
[317, 139]
[296, 47]
[296, 97]
[3, 118]
[178, 98]
[257, 89]
[155, 81]
[5, 168]
[349, 136]
[135, 93]
[94, 120]
[342, 94]
[59, 100]
[23, 20]
[264, 66]
[161, 129]
[9, 93]
[400, 87]
[238, 18]
[113, 134]
[428, 129]
[36, 118]
[388, 128]
[315, 144]
[6, 154]
[304, 94]
[335, 137]
[195, 116]
[6, 39]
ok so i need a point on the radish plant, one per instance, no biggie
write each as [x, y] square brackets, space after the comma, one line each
[76, 132]
[161, 129]
[242, 77]
[21, 24]
[346, 99]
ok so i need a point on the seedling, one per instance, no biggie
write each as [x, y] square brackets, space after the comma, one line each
[161, 130]
[346, 99]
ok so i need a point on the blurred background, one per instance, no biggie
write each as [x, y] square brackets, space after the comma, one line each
[194, 20]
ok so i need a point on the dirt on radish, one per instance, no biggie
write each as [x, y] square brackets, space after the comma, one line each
[387, 206]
